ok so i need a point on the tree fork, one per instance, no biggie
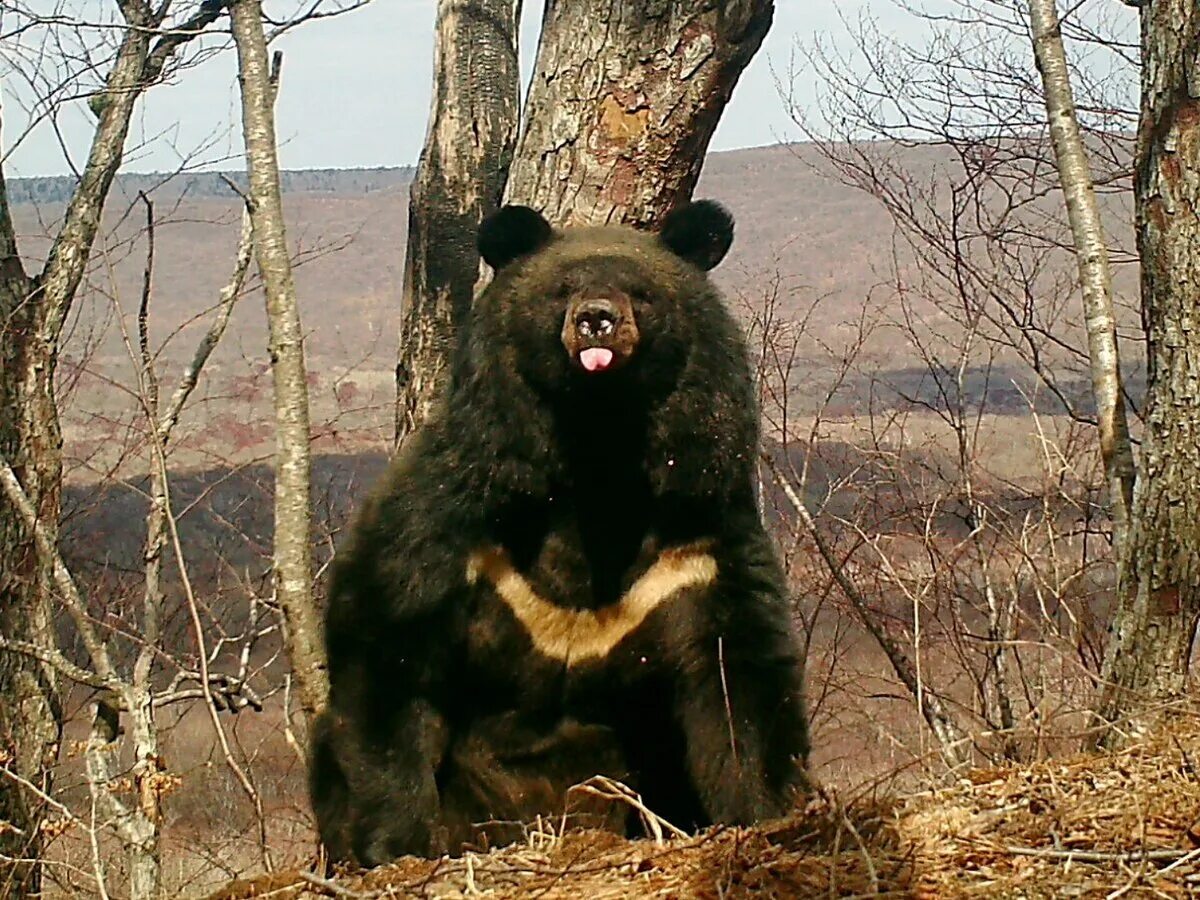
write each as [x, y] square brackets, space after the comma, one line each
[624, 101]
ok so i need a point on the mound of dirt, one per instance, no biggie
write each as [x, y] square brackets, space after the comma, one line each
[1094, 825]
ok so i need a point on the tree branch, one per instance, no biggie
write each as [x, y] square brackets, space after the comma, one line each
[71, 596]
[952, 739]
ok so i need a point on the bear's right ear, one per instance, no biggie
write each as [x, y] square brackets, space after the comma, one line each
[512, 231]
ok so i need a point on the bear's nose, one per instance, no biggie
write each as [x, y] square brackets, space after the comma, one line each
[596, 318]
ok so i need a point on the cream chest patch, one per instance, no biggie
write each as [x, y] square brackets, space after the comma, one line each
[575, 636]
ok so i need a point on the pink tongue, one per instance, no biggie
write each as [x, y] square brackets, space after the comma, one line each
[596, 359]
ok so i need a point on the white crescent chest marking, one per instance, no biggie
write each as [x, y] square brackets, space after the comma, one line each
[576, 635]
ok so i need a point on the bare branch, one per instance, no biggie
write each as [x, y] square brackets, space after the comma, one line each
[952, 739]
[68, 591]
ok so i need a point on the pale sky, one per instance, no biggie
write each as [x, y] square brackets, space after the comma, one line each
[356, 93]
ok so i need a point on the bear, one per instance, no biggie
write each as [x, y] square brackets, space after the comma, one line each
[565, 572]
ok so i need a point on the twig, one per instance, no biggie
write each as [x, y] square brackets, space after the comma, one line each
[609, 789]
[71, 595]
[1100, 856]
[737, 764]
[333, 889]
[952, 738]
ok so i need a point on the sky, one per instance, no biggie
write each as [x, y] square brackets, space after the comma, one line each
[356, 93]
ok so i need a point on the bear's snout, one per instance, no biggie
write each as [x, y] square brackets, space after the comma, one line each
[597, 318]
[600, 332]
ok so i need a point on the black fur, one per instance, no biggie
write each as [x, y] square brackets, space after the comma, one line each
[700, 232]
[510, 232]
[443, 715]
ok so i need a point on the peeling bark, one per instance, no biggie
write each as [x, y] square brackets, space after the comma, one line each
[624, 100]
[293, 512]
[1146, 666]
[460, 177]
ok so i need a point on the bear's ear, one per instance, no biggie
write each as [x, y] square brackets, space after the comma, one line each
[700, 232]
[512, 231]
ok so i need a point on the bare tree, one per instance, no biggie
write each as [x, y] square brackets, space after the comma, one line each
[1091, 254]
[33, 310]
[259, 82]
[459, 180]
[1159, 597]
[949, 135]
[624, 102]
[128, 687]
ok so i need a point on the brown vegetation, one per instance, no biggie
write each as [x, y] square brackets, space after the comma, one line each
[1084, 826]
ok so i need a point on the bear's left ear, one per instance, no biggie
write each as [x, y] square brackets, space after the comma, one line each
[700, 232]
[512, 231]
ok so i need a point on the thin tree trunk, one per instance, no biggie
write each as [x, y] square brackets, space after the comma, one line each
[1159, 597]
[624, 100]
[461, 175]
[1091, 255]
[293, 513]
[33, 312]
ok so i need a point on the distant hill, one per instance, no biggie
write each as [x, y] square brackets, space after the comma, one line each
[820, 250]
[209, 185]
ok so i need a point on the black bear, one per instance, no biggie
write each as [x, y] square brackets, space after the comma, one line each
[565, 573]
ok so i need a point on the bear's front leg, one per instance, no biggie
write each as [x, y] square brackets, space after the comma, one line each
[741, 706]
[375, 794]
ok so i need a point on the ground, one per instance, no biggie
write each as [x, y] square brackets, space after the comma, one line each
[1125, 824]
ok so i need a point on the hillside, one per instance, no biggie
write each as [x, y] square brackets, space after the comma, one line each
[824, 250]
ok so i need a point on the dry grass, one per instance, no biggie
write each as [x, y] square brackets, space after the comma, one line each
[1089, 826]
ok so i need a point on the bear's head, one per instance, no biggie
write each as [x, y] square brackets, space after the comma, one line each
[592, 344]
[588, 310]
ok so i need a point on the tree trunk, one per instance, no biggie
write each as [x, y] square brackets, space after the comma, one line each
[293, 512]
[1091, 255]
[30, 717]
[1159, 596]
[624, 100]
[33, 311]
[461, 175]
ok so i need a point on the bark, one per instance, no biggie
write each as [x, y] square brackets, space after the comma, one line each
[293, 512]
[460, 178]
[624, 100]
[1146, 666]
[33, 311]
[136, 823]
[29, 707]
[1091, 254]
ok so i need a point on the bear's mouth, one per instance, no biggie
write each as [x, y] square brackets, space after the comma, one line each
[596, 359]
[599, 331]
